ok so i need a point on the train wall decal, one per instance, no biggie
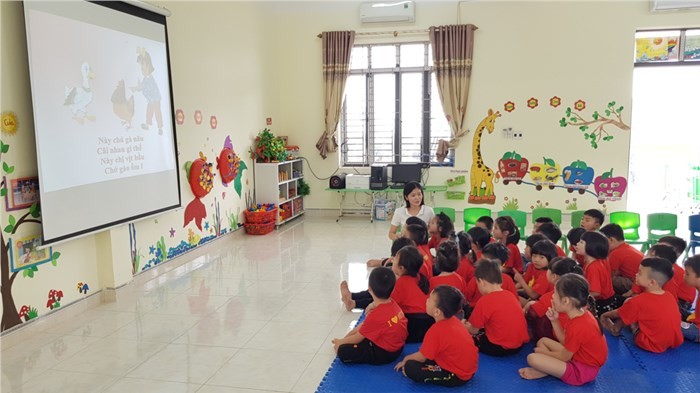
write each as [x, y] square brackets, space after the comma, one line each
[577, 176]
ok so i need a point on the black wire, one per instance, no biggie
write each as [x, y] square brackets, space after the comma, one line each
[314, 173]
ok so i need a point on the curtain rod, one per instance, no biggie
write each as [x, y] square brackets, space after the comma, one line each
[394, 33]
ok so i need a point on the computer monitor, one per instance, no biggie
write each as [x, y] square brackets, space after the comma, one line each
[404, 173]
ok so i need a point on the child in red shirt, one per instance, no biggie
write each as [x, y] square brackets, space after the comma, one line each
[363, 299]
[500, 253]
[652, 315]
[411, 292]
[419, 234]
[535, 310]
[439, 228]
[448, 356]
[497, 322]
[534, 283]
[506, 232]
[581, 350]
[623, 258]
[594, 247]
[480, 238]
[685, 292]
[468, 257]
[692, 277]
[574, 236]
[447, 261]
[380, 338]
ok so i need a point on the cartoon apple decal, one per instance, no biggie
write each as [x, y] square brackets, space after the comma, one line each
[579, 175]
[513, 167]
[546, 173]
[609, 188]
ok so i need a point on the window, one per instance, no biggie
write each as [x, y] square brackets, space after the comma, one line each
[391, 110]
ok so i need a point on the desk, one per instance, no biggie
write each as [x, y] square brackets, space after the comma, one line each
[373, 196]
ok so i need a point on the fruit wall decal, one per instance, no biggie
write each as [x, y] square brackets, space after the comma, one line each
[201, 179]
[545, 173]
[512, 167]
[609, 188]
[597, 128]
[577, 176]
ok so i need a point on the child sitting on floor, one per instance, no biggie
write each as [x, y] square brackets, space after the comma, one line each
[419, 234]
[380, 338]
[594, 248]
[623, 258]
[552, 232]
[692, 277]
[486, 222]
[534, 283]
[411, 292]
[573, 237]
[448, 356]
[535, 310]
[497, 322]
[652, 315]
[362, 299]
[468, 257]
[538, 222]
[499, 252]
[480, 238]
[506, 232]
[447, 262]
[439, 228]
[684, 292]
[581, 349]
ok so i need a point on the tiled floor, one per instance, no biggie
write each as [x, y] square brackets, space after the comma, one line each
[242, 314]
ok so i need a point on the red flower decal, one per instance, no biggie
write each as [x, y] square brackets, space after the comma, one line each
[580, 105]
[213, 122]
[198, 117]
[555, 101]
[532, 103]
[509, 106]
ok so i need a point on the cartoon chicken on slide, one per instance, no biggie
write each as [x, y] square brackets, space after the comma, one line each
[123, 108]
[79, 97]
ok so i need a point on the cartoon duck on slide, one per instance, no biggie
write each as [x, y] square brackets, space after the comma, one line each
[79, 97]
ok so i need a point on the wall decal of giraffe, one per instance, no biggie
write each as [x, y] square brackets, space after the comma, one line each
[480, 174]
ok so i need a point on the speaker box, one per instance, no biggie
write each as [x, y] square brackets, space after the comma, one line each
[337, 182]
[378, 178]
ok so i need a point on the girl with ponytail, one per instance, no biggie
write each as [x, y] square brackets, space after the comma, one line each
[584, 351]
[411, 291]
[506, 232]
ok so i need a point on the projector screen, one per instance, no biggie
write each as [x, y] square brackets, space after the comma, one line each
[103, 115]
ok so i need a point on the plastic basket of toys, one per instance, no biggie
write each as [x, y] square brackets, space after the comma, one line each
[261, 214]
[259, 229]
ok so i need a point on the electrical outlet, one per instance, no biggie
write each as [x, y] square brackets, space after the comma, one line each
[518, 135]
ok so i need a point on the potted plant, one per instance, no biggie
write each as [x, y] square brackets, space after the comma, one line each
[268, 147]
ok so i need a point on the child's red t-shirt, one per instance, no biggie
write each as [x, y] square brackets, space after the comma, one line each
[584, 339]
[543, 303]
[473, 295]
[386, 326]
[501, 316]
[560, 251]
[659, 321]
[466, 268]
[427, 268]
[515, 260]
[450, 345]
[408, 295]
[451, 279]
[435, 241]
[537, 279]
[599, 278]
[684, 291]
[625, 259]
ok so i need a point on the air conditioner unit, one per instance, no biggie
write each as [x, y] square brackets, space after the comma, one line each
[669, 5]
[391, 11]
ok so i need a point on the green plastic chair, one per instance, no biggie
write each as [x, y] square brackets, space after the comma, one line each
[554, 214]
[520, 218]
[471, 214]
[450, 212]
[660, 225]
[576, 218]
[629, 221]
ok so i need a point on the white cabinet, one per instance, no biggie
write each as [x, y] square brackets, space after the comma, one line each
[278, 182]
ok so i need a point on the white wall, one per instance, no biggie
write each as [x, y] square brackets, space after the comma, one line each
[573, 50]
[218, 58]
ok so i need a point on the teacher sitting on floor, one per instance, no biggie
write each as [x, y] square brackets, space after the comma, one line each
[415, 207]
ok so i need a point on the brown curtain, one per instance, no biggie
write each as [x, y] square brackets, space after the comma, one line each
[452, 59]
[337, 46]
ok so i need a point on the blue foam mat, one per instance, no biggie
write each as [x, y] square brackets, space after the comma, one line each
[628, 368]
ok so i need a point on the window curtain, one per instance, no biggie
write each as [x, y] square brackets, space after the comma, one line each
[337, 46]
[452, 59]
